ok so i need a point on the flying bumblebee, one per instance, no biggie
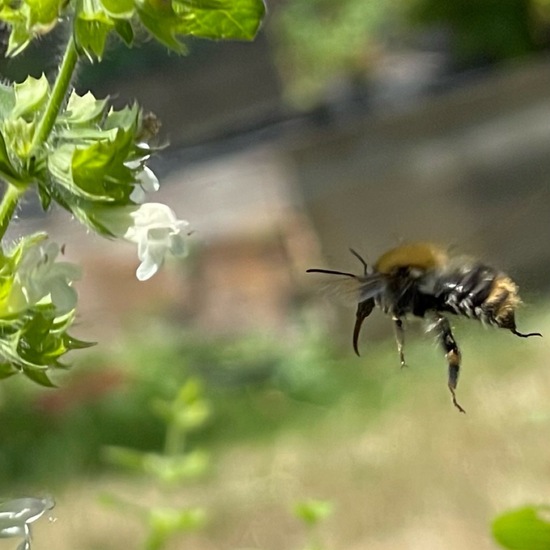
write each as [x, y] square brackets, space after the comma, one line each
[422, 280]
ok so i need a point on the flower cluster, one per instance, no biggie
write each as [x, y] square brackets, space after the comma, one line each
[93, 164]
[92, 160]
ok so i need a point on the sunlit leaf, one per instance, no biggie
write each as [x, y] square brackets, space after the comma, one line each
[7, 100]
[18, 134]
[119, 8]
[74, 343]
[83, 109]
[43, 14]
[524, 529]
[220, 19]
[91, 37]
[91, 27]
[35, 296]
[99, 170]
[19, 39]
[215, 19]
[30, 96]
[29, 19]
[313, 511]
[166, 522]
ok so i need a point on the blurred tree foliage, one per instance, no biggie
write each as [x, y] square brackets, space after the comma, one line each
[256, 383]
[320, 40]
[487, 31]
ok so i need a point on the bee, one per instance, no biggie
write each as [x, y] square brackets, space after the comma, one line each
[421, 279]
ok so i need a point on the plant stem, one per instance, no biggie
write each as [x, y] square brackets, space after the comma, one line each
[8, 205]
[175, 440]
[57, 97]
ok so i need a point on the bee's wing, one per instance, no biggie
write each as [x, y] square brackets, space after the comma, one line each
[371, 286]
[349, 288]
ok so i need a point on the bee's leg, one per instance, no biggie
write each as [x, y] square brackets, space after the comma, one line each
[452, 354]
[400, 339]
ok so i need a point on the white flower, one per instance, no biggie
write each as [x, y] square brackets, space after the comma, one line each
[17, 515]
[147, 182]
[155, 229]
[39, 277]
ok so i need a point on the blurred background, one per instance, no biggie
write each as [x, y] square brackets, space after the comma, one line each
[357, 123]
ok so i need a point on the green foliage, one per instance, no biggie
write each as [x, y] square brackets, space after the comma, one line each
[188, 411]
[29, 19]
[91, 159]
[92, 156]
[219, 19]
[258, 386]
[165, 523]
[165, 21]
[38, 309]
[486, 31]
[524, 529]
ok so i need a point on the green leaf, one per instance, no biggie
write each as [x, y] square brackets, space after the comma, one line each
[43, 14]
[158, 17]
[220, 19]
[34, 312]
[90, 162]
[19, 39]
[176, 469]
[7, 370]
[30, 96]
[7, 100]
[96, 172]
[125, 31]
[39, 376]
[18, 134]
[126, 118]
[164, 523]
[131, 459]
[75, 343]
[91, 28]
[119, 8]
[167, 469]
[214, 19]
[6, 166]
[45, 197]
[91, 37]
[28, 19]
[312, 511]
[83, 110]
[99, 170]
[524, 529]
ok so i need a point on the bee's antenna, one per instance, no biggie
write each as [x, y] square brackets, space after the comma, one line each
[331, 272]
[529, 334]
[358, 256]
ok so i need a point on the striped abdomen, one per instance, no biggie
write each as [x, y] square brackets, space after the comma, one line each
[479, 292]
